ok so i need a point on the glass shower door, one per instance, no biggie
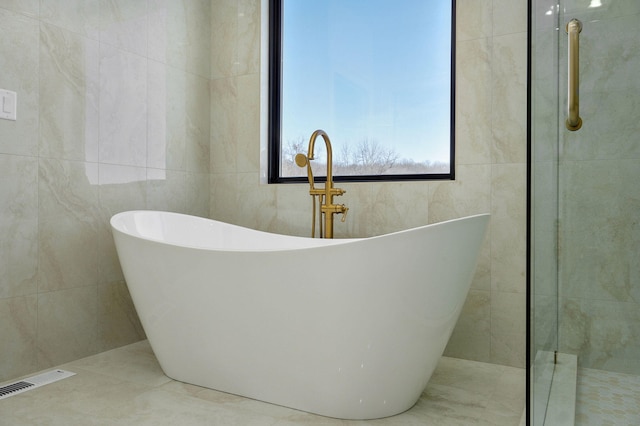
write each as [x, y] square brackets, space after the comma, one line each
[544, 209]
[592, 184]
[599, 191]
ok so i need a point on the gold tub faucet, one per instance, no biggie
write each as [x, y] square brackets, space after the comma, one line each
[326, 194]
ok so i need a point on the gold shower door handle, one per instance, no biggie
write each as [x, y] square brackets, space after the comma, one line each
[574, 122]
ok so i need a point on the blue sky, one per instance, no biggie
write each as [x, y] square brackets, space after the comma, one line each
[371, 69]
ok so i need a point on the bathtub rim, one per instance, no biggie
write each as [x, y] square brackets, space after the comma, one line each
[309, 243]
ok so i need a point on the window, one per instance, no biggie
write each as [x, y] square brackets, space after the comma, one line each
[376, 75]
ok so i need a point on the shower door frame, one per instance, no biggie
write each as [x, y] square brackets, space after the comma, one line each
[542, 345]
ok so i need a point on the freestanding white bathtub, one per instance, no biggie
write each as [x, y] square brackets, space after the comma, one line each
[349, 328]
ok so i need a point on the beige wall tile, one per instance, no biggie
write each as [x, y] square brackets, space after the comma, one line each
[197, 194]
[394, 207]
[80, 16]
[18, 225]
[67, 325]
[180, 34]
[508, 349]
[166, 190]
[224, 197]
[509, 17]
[166, 127]
[509, 94]
[508, 328]
[508, 227]
[69, 116]
[604, 333]
[224, 38]
[473, 101]
[248, 36]
[469, 194]
[68, 225]
[123, 107]
[118, 322]
[471, 336]
[255, 203]
[198, 128]
[248, 152]
[124, 24]
[474, 19]
[26, 7]
[18, 316]
[224, 125]
[294, 210]
[506, 313]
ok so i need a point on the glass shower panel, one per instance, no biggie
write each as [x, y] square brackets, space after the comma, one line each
[544, 204]
[585, 196]
[599, 192]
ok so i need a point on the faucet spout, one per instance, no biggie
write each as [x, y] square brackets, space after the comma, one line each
[327, 207]
[327, 142]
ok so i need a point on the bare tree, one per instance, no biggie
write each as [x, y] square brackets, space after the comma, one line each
[293, 147]
[365, 158]
[289, 151]
[370, 155]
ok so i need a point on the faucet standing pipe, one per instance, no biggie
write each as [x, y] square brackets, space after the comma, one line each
[327, 208]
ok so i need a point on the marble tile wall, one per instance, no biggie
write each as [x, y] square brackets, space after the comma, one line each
[113, 114]
[490, 166]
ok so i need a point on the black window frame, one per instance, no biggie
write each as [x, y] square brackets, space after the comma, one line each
[275, 109]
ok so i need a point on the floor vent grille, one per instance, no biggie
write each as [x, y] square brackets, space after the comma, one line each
[33, 382]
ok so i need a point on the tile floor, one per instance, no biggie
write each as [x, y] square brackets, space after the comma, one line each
[126, 386]
[607, 398]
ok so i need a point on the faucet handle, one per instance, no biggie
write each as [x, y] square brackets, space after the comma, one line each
[344, 212]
